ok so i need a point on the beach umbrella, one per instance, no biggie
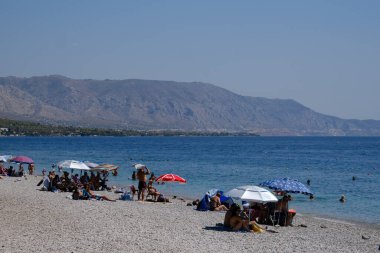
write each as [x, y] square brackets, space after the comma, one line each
[91, 164]
[22, 159]
[252, 193]
[139, 166]
[5, 158]
[287, 185]
[170, 178]
[105, 167]
[72, 164]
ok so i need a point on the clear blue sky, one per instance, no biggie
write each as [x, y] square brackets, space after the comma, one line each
[324, 54]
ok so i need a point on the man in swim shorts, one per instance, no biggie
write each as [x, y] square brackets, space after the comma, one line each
[141, 176]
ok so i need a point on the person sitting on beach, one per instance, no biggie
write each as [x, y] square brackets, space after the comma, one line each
[90, 194]
[46, 184]
[97, 181]
[56, 184]
[283, 206]
[152, 191]
[20, 171]
[3, 170]
[249, 224]
[85, 179]
[216, 205]
[52, 175]
[233, 219]
[76, 182]
[66, 182]
[92, 181]
[10, 171]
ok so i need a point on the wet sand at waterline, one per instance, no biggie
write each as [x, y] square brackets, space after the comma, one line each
[35, 221]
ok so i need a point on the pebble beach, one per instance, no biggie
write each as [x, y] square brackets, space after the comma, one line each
[36, 221]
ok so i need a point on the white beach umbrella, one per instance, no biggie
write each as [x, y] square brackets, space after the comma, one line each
[5, 158]
[105, 167]
[252, 193]
[139, 166]
[91, 164]
[72, 164]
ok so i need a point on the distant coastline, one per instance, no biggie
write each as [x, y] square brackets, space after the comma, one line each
[26, 128]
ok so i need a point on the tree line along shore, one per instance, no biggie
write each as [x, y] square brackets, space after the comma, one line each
[26, 128]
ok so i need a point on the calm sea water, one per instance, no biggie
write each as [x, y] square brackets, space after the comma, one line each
[227, 162]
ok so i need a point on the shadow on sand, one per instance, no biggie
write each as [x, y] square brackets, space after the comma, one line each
[218, 227]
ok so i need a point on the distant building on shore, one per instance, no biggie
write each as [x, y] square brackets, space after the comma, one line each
[3, 130]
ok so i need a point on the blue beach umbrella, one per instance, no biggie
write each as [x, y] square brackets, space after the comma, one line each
[287, 185]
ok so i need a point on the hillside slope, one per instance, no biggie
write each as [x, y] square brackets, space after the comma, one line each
[146, 104]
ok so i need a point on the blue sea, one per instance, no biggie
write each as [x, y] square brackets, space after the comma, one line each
[227, 162]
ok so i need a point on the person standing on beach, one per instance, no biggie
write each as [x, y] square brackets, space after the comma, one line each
[31, 168]
[141, 176]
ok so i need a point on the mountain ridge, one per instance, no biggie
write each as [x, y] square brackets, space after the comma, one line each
[170, 105]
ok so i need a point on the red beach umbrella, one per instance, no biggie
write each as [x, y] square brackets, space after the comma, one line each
[22, 159]
[171, 178]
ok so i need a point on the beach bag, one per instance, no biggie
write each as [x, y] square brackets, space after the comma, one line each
[126, 196]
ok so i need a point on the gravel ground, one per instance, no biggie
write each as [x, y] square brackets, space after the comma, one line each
[35, 221]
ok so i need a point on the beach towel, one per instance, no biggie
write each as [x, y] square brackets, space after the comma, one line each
[126, 196]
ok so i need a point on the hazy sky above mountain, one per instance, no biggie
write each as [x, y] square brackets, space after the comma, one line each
[324, 54]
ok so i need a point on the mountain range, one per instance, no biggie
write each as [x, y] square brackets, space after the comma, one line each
[164, 105]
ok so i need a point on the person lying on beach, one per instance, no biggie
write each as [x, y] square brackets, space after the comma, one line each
[78, 195]
[90, 194]
[216, 205]
[161, 198]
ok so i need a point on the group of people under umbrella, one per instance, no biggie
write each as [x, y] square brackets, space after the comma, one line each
[258, 204]
[12, 171]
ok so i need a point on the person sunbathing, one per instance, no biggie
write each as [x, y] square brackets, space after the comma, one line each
[78, 195]
[216, 205]
[90, 194]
